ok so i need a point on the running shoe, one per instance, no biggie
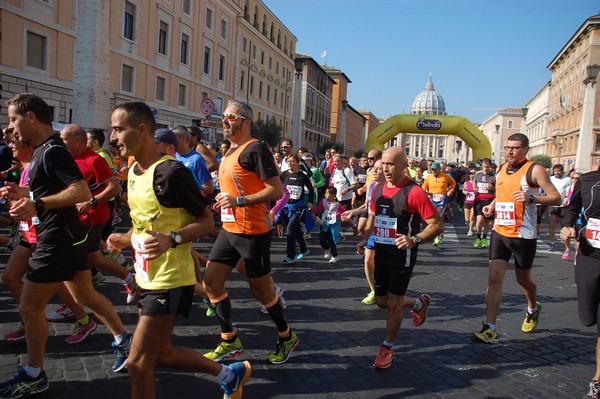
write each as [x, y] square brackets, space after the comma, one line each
[567, 254]
[61, 315]
[485, 335]
[81, 331]
[369, 299]
[22, 384]
[133, 291]
[279, 292]
[420, 315]
[477, 242]
[226, 350]
[327, 254]
[484, 243]
[233, 389]
[210, 309]
[334, 259]
[283, 350]
[287, 259]
[17, 335]
[470, 233]
[98, 278]
[531, 320]
[385, 357]
[593, 391]
[437, 241]
[13, 229]
[301, 256]
[551, 247]
[122, 351]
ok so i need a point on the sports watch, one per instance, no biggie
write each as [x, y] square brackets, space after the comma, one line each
[176, 238]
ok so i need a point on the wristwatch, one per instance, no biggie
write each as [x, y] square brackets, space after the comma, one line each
[94, 201]
[531, 198]
[417, 239]
[176, 238]
[39, 205]
[241, 201]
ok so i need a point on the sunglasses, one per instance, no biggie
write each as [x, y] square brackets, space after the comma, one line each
[231, 116]
[371, 159]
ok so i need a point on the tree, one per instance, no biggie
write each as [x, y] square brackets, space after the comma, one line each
[269, 131]
[543, 160]
[328, 144]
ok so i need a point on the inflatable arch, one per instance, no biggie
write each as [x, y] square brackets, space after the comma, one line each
[431, 124]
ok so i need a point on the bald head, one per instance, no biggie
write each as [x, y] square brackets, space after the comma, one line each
[394, 163]
[75, 139]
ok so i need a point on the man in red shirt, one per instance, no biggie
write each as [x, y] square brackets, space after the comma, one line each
[397, 207]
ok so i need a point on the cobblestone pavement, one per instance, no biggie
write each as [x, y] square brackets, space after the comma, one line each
[340, 336]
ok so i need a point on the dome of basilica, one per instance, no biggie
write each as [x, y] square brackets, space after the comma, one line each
[429, 102]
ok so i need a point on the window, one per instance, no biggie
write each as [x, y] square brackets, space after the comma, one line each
[162, 38]
[242, 80]
[275, 97]
[252, 85]
[182, 95]
[262, 58]
[268, 92]
[206, 67]
[129, 21]
[209, 17]
[221, 67]
[36, 50]
[260, 89]
[254, 51]
[161, 85]
[183, 57]
[270, 63]
[127, 78]
[244, 45]
[223, 29]
[187, 7]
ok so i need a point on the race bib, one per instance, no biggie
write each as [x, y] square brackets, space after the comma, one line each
[385, 230]
[438, 197]
[470, 196]
[140, 261]
[362, 179]
[28, 229]
[483, 188]
[505, 214]
[227, 215]
[295, 192]
[329, 217]
[592, 232]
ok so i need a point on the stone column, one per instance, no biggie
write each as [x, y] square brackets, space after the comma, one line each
[91, 80]
[585, 144]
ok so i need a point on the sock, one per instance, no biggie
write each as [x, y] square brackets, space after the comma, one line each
[492, 326]
[223, 312]
[226, 374]
[129, 279]
[84, 320]
[479, 235]
[532, 310]
[278, 317]
[485, 236]
[388, 345]
[418, 305]
[33, 372]
[119, 338]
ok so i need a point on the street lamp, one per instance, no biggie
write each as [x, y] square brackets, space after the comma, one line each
[296, 133]
[592, 73]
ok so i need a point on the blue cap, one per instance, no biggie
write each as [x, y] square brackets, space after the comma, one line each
[165, 135]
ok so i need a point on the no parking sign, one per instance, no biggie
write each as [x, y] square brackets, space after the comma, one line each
[206, 106]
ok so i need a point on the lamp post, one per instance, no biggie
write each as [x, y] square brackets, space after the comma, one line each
[295, 134]
[342, 139]
[498, 144]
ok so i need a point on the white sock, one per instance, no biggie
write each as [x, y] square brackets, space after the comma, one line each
[532, 310]
[418, 305]
[119, 338]
[121, 259]
[33, 372]
[492, 326]
[226, 374]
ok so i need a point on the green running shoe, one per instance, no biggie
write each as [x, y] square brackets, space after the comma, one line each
[477, 242]
[484, 243]
[226, 350]
[283, 350]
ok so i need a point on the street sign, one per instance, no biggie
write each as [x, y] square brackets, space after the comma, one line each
[155, 114]
[206, 106]
[570, 161]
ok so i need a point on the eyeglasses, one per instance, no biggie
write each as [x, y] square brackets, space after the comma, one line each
[508, 148]
[371, 159]
[284, 146]
[232, 116]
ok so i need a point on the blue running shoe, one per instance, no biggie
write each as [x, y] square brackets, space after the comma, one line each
[22, 384]
[233, 389]
[122, 352]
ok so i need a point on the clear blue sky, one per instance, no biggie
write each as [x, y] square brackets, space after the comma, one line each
[483, 55]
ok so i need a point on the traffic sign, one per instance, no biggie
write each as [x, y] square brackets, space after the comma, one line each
[155, 114]
[206, 106]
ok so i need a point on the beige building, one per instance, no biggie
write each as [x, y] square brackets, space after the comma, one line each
[312, 117]
[573, 137]
[84, 57]
[537, 117]
[499, 127]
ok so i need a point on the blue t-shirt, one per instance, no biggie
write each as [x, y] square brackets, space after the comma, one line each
[194, 162]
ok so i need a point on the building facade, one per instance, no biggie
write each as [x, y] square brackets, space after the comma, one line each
[573, 138]
[500, 127]
[85, 57]
[536, 118]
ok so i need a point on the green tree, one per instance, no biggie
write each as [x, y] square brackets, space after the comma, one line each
[543, 160]
[328, 144]
[269, 131]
